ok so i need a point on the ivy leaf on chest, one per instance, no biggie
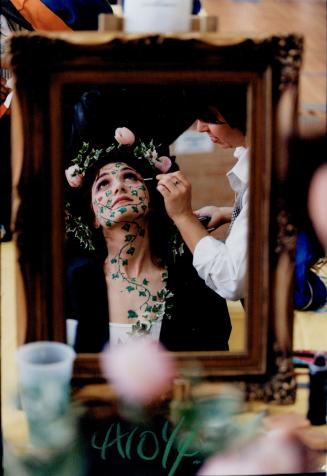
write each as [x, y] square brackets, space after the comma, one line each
[132, 314]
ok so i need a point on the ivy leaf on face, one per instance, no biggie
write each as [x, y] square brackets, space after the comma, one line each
[141, 232]
[101, 210]
[122, 210]
[161, 293]
[134, 193]
[115, 275]
[154, 298]
[145, 282]
[130, 288]
[125, 262]
[126, 226]
[130, 250]
[132, 314]
[133, 280]
[108, 223]
[113, 261]
[135, 209]
[130, 237]
[142, 293]
[148, 309]
[157, 308]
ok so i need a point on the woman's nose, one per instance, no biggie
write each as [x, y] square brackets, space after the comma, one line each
[201, 126]
[118, 186]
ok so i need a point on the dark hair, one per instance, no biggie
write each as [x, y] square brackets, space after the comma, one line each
[161, 226]
[229, 100]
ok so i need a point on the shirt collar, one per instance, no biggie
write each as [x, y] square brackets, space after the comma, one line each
[238, 176]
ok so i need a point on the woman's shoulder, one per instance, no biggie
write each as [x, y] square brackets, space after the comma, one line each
[84, 271]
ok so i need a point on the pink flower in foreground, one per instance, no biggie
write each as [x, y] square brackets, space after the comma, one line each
[141, 370]
[317, 200]
[277, 452]
[124, 136]
[163, 164]
[73, 180]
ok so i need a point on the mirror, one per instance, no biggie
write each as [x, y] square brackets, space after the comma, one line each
[52, 71]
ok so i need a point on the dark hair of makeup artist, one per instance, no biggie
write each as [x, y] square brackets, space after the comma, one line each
[229, 100]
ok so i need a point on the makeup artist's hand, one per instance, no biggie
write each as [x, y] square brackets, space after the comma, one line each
[217, 215]
[176, 190]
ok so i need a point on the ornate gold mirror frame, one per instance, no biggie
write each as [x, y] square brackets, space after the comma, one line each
[44, 65]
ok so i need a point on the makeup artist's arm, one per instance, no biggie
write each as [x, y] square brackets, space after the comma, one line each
[222, 265]
[176, 190]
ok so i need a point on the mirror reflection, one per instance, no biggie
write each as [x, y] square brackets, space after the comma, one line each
[156, 232]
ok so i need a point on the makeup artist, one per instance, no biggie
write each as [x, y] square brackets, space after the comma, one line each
[223, 265]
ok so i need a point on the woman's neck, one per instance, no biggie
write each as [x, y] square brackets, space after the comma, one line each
[128, 249]
[136, 286]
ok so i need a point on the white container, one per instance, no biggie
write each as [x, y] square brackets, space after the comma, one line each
[44, 374]
[157, 16]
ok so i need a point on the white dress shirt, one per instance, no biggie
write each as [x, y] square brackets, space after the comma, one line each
[223, 265]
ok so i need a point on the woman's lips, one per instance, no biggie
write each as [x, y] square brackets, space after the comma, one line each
[119, 201]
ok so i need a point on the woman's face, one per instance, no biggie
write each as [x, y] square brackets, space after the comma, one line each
[221, 133]
[118, 195]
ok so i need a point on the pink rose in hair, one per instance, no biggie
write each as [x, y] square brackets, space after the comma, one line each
[163, 164]
[141, 370]
[74, 181]
[124, 136]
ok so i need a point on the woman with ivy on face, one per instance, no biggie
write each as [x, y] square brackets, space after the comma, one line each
[135, 277]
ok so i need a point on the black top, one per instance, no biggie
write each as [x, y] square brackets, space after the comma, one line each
[197, 318]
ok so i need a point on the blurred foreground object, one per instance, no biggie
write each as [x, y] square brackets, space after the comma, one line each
[64, 15]
[277, 452]
[317, 411]
[317, 202]
[44, 374]
[141, 371]
[63, 451]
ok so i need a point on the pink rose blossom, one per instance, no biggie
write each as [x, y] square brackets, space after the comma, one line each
[163, 164]
[124, 136]
[73, 180]
[141, 370]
